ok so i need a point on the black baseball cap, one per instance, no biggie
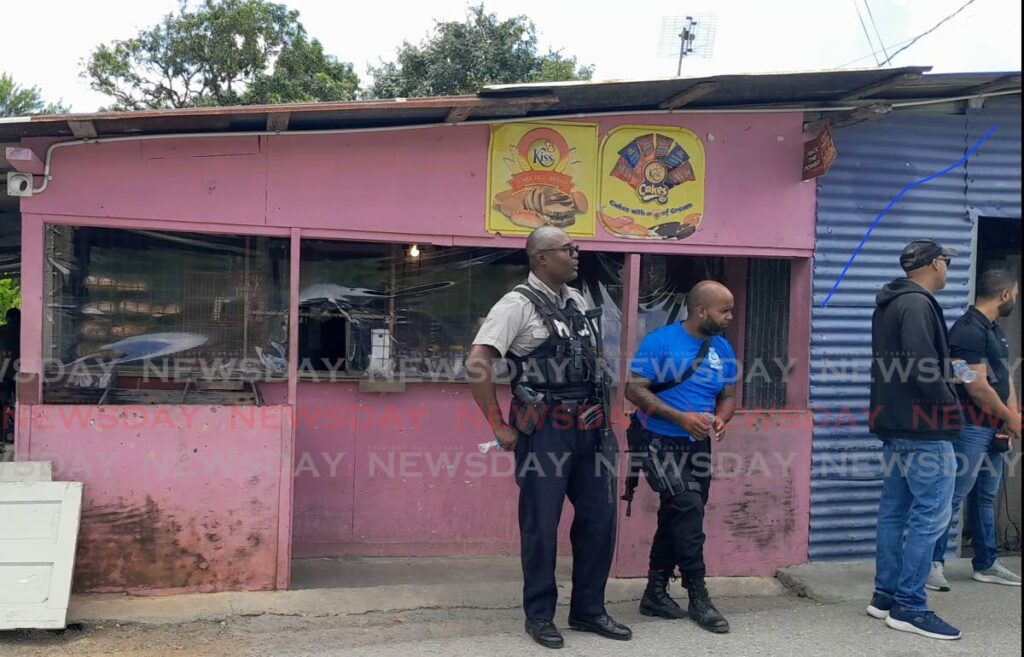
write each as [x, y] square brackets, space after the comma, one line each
[920, 253]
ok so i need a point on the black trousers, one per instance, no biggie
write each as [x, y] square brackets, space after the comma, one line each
[679, 540]
[552, 463]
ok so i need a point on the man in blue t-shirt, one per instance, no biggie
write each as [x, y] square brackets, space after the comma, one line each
[679, 421]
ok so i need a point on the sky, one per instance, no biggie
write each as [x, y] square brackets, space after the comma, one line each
[45, 47]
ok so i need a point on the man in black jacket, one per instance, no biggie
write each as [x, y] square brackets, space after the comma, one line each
[916, 414]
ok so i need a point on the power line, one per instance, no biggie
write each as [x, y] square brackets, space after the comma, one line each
[863, 57]
[878, 34]
[924, 34]
[905, 42]
[865, 28]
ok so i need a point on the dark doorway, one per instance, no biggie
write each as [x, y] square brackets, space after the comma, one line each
[999, 247]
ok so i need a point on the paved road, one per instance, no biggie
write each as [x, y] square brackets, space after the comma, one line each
[990, 617]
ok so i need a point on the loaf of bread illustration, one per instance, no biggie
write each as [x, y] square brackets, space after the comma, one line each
[538, 205]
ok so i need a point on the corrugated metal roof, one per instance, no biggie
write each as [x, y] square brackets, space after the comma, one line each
[810, 90]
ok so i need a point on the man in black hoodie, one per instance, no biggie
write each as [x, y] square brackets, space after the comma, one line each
[916, 414]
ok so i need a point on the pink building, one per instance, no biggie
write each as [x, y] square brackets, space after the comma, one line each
[209, 296]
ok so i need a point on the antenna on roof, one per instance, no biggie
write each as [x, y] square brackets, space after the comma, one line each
[687, 36]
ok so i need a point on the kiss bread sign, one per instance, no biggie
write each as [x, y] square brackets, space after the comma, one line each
[542, 174]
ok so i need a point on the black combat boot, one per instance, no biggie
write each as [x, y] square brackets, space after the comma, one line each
[656, 600]
[701, 610]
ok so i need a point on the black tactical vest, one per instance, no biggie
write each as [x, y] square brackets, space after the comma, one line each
[564, 365]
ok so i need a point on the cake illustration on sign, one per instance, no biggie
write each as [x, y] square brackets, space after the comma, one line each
[655, 167]
[541, 190]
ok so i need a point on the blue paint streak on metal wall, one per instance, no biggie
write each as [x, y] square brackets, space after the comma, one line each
[876, 160]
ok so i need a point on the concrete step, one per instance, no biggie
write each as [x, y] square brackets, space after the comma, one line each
[831, 581]
[333, 587]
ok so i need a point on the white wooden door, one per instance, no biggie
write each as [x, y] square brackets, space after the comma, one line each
[38, 534]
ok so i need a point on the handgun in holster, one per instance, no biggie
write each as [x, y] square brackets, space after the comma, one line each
[527, 414]
[645, 452]
[664, 483]
[659, 480]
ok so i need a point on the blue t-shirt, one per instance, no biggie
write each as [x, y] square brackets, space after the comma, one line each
[671, 350]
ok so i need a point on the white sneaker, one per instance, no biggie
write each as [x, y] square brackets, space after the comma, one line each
[937, 578]
[997, 574]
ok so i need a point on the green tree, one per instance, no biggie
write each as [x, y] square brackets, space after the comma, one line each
[10, 297]
[462, 58]
[16, 100]
[221, 52]
[304, 73]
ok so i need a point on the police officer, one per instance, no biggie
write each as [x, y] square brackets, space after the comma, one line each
[682, 382]
[551, 345]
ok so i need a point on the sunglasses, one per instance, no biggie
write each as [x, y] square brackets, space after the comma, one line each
[570, 249]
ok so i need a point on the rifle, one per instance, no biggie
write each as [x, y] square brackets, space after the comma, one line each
[633, 440]
[609, 444]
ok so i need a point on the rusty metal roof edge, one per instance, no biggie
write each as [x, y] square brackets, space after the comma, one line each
[432, 102]
[534, 101]
[706, 78]
[485, 96]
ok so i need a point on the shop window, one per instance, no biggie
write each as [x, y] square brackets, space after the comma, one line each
[763, 336]
[766, 344]
[157, 317]
[664, 282]
[392, 310]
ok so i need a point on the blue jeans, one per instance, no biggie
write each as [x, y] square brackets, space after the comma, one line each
[981, 472]
[915, 509]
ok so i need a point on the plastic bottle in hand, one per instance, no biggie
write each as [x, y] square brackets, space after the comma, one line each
[962, 372]
[488, 446]
[710, 419]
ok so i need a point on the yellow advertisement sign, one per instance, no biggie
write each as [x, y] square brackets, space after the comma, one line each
[652, 183]
[542, 174]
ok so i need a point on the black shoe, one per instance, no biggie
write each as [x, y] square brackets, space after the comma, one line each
[602, 624]
[656, 600]
[700, 608]
[545, 633]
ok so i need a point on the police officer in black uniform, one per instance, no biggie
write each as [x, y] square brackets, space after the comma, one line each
[554, 428]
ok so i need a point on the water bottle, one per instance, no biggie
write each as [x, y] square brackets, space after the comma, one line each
[962, 372]
[488, 446]
[710, 419]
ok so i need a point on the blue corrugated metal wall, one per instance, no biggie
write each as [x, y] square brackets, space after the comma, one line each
[993, 173]
[876, 160]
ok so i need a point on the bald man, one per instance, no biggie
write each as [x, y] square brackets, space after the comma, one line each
[683, 385]
[551, 345]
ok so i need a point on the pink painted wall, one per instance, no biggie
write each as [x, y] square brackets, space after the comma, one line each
[757, 518]
[426, 184]
[415, 185]
[176, 498]
[398, 474]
